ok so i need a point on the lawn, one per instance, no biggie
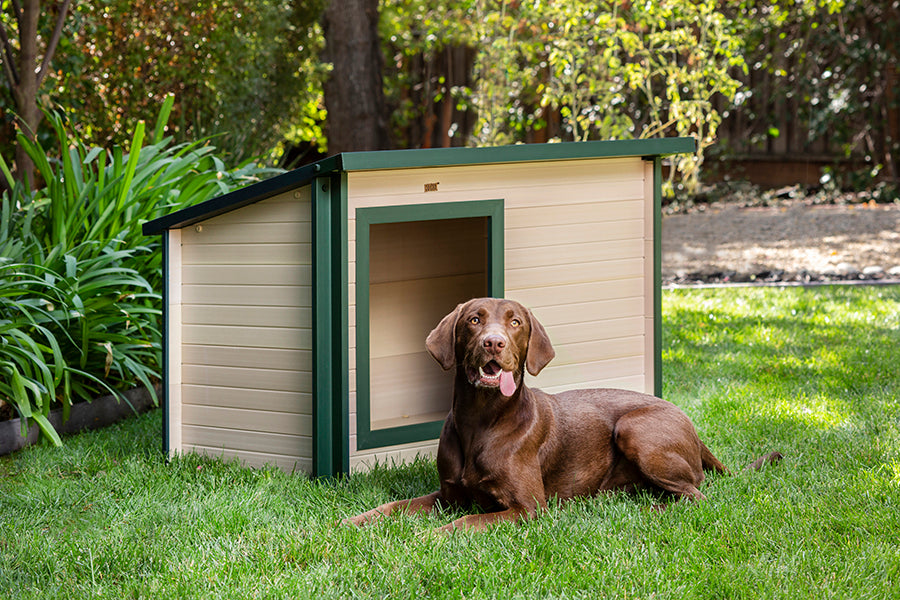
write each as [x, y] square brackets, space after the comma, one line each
[813, 373]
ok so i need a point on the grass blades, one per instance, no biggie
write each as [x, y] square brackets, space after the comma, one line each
[812, 373]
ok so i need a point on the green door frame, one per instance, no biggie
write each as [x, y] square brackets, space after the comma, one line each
[367, 438]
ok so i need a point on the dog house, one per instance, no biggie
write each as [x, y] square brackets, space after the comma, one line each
[296, 309]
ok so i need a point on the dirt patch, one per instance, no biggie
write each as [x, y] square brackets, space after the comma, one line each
[791, 243]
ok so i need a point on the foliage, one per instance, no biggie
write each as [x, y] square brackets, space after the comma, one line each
[26, 60]
[72, 327]
[803, 371]
[831, 68]
[429, 48]
[613, 70]
[482, 72]
[573, 70]
[78, 304]
[245, 70]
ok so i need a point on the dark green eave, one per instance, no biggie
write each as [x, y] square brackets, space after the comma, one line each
[411, 159]
[241, 197]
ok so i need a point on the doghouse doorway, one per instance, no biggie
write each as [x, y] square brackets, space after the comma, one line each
[414, 265]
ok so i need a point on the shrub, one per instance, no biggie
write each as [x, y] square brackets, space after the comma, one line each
[78, 310]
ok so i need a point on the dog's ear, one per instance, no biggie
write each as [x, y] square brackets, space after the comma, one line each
[441, 342]
[540, 350]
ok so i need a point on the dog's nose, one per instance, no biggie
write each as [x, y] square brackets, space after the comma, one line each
[494, 343]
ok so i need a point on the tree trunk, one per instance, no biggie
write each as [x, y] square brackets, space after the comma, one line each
[354, 96]
[27, 89]
[26, 72]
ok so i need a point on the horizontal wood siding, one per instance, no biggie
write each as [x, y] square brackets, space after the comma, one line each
[246, 334]
[576, 253]
[418, 271]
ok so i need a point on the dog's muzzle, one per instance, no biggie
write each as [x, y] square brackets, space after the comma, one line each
[492, 375]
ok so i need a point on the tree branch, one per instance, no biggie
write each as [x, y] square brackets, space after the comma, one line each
[17, 10]
[9, 64]
[54, 41]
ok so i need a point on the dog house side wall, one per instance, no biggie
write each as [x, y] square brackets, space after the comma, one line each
[578, 251]
[240, 335]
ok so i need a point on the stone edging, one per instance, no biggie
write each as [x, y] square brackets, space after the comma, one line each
[783, 284]
[101, 412]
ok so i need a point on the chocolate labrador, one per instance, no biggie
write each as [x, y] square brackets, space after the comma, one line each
[508, 448]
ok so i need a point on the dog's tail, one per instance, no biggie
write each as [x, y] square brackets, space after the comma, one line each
[772, 458]
[709, 461]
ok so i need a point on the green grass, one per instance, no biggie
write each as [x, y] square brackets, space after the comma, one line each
[812, 373]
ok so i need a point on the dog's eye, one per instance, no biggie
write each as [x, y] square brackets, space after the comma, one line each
[515, 322]
[474, 320]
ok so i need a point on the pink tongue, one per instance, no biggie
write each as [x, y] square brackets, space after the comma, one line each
[507, 383]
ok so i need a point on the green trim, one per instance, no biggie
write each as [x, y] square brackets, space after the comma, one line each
[407, 159]
[341, 330]
[442, 157]
[368, 438]
[327, 319]
[657, 276]
[331, 435]
[320, 204]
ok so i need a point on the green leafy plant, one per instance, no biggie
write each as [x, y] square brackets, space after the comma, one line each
[823, 84]
[79, 312]
[31, 360]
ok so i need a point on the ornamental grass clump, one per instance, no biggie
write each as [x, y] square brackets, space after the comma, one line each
[79, 311]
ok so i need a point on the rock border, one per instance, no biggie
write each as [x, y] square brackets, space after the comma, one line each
[83, 416]
[781, 284]
[779, 277]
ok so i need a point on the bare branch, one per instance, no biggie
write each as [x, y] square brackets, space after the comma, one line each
[17, 10]
[9, 63]
[54, 41]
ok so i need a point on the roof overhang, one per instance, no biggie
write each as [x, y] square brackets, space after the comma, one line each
[414, 159]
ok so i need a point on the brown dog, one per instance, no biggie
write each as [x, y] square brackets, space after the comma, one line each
[508, 448]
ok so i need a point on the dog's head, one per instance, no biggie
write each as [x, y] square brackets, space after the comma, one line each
[493, 340]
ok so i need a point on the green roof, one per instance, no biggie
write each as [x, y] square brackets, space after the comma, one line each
[412, 159]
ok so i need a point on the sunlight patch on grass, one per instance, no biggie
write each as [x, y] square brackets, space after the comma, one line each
[817, 411]
[881, 477]
[892, 473]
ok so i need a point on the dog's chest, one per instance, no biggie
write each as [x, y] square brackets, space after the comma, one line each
[482, 478]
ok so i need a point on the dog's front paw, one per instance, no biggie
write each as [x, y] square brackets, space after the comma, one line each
[357, 521]
[362, 519]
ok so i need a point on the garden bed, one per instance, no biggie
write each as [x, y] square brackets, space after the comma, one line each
[101, 412]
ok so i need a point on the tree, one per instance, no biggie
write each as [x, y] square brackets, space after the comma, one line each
[354, 94]
[823, 84]
[559, 70]
[611, 69]
[25, 69]
[244, 71]
[429, 48]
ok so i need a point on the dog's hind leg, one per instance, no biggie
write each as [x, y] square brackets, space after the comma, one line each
[709, 460]
[665, 449]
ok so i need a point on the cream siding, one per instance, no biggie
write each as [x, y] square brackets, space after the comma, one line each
[173, 342]
[245, 347]
[576, 253]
